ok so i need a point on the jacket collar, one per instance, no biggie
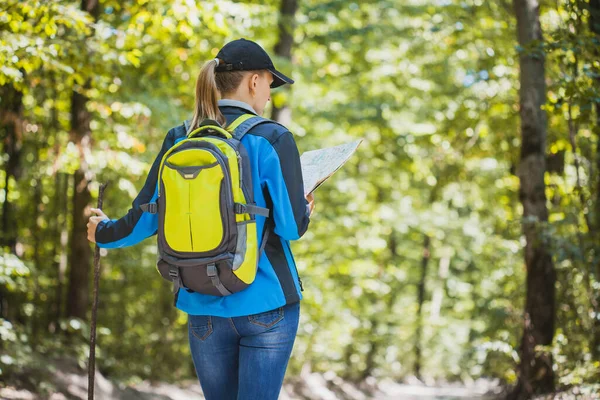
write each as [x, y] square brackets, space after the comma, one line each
[236, 103]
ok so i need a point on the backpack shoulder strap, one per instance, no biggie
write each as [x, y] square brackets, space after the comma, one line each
[244, 123]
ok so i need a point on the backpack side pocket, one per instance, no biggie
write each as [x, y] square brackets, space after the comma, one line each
[245, 260]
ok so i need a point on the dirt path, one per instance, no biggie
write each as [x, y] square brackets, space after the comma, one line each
[171, 392]
[70, 382]
[408, 392]
[168, 392]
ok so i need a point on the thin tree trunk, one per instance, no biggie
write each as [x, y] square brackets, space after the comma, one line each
[535, 370]
[36, 233]
[594, 7]
[64, 243]
[11, 115]
[80, 261]
[471, 279]
[594, 21]
[11, 123]
[438, 294]
[421, 301]
[283, 49]
[79, 272]
[376, 341]
[58, 223]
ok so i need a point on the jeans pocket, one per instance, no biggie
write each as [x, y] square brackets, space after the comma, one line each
[200, 326]
[268, 318]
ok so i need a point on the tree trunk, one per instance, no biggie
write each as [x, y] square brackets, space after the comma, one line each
[376, 341]
[535, 370]
[471, 279]
[59, 224]
[56, 254]
[11, 123]
[421, 301]
[79, 261]
[37, 248]
[438, 294]
[11, 128]
[283, 49]
[64, 243]
[594, 7]
[80, 257]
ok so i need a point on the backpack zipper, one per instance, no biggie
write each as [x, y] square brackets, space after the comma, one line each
[248, 196]
[239, 161]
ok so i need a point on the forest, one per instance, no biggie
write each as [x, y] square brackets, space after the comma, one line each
[458, 247]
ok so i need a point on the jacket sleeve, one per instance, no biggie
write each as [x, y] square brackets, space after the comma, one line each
[281, 172]
[136, 225]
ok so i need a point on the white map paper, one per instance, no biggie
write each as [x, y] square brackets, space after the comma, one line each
[318, 165]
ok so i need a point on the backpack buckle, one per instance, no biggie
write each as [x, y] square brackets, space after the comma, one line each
[240, 208]
[152, 208]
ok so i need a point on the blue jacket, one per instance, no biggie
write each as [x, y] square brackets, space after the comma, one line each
[277, 180]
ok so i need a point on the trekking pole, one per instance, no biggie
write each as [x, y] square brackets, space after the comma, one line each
[92, 359]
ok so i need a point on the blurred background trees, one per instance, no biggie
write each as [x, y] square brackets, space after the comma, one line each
[414, 263]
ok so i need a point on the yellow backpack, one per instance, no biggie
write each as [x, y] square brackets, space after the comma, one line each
[207, 236]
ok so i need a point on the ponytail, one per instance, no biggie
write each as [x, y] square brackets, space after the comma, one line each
[212, 85]
[207, 96]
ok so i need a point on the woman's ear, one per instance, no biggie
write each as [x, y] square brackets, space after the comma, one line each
[253, 84]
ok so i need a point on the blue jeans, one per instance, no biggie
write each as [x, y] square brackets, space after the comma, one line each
[243, 358]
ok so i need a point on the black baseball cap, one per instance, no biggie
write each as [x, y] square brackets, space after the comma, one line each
[246, 55]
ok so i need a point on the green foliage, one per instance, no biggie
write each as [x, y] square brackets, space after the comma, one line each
[13, 272]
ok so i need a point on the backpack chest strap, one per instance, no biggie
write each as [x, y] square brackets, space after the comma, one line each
[251, 209]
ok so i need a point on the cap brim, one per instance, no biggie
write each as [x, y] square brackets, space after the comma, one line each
[279, 78]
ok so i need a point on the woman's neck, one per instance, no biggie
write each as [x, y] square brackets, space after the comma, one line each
[239, 97]
[246, 103]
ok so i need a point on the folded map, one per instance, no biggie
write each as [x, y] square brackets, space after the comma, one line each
[319, 165]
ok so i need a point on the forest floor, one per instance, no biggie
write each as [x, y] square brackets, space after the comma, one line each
[64, 380]
[292, 390]
[69, 382]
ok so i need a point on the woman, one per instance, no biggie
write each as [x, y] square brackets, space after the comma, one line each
[241, 343]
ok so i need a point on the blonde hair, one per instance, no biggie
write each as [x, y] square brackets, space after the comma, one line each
[210, 86]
